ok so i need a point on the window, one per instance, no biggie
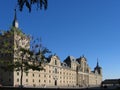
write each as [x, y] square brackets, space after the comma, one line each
[33, 75]
[17, 73]
[39, 75]
[34, 85]
[9, 79]
[44, 80]
[44, 75]
[39, 80]
[49, 81]
[55, 70]
[17, 79]
[26, 80]
[33, 80]
[55, 62]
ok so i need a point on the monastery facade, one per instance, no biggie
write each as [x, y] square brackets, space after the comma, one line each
[71, 72]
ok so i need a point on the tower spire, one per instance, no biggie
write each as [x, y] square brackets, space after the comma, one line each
[15, 22]
[97, 63]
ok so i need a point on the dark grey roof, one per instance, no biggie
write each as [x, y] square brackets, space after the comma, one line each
[72, 58]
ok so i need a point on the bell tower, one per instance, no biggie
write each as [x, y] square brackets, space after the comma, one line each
[98, 69]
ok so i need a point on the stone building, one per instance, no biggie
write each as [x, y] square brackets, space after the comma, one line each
[71, 72]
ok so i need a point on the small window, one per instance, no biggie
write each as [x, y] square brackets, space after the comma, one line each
[17, 79]
[44, 80]
[17, 73]
[33, 75]
[55, 62]
[39, 80]
[55, 70]
[9, 79]
[26, 80]
[33, 80]
[44, 75]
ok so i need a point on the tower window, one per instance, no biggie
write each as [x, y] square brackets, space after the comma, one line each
[55, 62]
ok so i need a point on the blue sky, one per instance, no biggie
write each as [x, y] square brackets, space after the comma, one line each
[74, 27]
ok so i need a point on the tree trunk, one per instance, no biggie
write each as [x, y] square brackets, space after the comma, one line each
[21, 79]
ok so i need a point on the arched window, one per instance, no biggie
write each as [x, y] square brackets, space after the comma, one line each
[55, 62]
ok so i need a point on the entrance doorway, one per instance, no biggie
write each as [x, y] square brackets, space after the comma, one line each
[55, 82]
